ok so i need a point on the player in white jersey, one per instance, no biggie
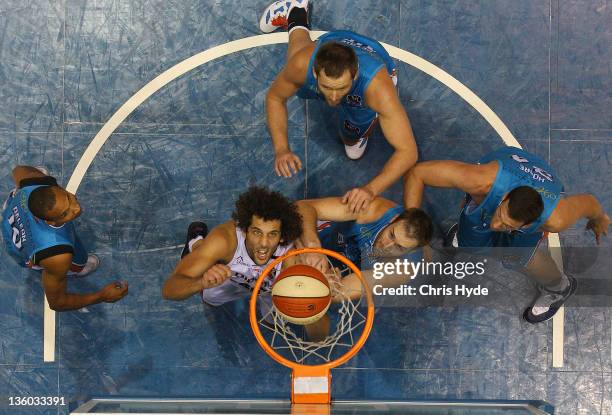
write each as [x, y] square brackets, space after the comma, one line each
[244, 274]
[224, 265]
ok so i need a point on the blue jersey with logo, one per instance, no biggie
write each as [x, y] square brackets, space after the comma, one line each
[25, 235]
[356, 240]
[516, 168]
[371, 56]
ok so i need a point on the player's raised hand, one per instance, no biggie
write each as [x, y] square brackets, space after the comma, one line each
[319, 261]
[287, 163]
[216, 275]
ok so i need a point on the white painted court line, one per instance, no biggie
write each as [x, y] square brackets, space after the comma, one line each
[554, 246]
[235, 46]
[48, 333]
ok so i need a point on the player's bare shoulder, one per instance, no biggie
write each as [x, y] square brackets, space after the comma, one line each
[221, 240]
[482, 176]
[296, 69]
[381, 91]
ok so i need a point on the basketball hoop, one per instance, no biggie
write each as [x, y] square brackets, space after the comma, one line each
[311, 383]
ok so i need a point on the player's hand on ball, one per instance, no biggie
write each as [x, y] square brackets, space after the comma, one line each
[216, 275]
[114, 291]
[287, 164]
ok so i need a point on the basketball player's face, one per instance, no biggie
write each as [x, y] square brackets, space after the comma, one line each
[393, 240]
[66, 208]
[501, 220]
[262, 239]
[334, 89]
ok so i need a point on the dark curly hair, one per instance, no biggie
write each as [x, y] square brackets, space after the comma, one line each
[268, 205]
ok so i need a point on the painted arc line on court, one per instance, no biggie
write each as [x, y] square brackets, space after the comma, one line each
[264, 40]
[236, 46]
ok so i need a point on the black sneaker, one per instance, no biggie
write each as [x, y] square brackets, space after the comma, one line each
[548, 303]
[195, 229]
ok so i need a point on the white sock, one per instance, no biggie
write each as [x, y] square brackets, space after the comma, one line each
[193, 241]
[298, 27]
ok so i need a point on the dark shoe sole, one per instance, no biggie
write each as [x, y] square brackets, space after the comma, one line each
[533, 319]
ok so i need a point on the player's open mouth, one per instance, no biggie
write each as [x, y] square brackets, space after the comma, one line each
[261, 254]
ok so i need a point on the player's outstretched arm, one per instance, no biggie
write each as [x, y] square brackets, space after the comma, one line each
[469, 178]
[311, 210]
[54, 273]
[326, 208]
[381, 97]
[573, 208]
[203, 268]
[286, 84]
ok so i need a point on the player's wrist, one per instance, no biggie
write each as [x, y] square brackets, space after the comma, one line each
[312, 243]
[201, 284]
[101, 296]
[281, 151]
[371, 190]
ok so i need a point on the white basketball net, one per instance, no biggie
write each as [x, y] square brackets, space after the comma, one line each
[350, 316]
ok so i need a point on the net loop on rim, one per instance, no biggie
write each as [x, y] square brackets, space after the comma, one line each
[283, 336]
[353, 309]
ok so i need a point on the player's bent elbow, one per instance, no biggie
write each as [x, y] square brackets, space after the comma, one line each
[171, 297]
[412, 174]
[56, 305]
[273, 98]
[556, 225]
[167, 293]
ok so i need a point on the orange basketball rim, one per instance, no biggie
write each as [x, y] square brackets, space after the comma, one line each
[311, 384]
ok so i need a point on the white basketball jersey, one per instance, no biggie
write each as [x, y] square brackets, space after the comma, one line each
[246, 272]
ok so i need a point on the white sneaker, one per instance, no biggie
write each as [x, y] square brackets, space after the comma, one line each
[275, 15]
[548, 303]
[355, 151]
[90, 266]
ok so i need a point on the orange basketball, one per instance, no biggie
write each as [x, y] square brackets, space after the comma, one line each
[301, 294]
